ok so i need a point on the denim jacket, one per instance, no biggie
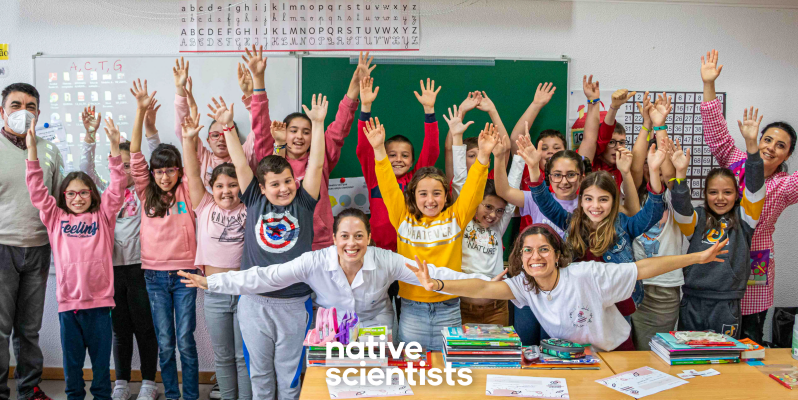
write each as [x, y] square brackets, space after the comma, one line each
[626, 228]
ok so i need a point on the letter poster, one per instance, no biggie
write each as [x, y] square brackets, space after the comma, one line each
[300, 25]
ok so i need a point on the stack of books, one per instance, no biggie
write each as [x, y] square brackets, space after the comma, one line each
[589, 361]
[481, 346]
[317, 354]
[754, 352]
[672, 352]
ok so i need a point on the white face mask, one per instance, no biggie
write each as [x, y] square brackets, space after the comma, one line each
[20, 121]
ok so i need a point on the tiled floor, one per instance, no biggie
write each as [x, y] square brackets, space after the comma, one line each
[55, 389]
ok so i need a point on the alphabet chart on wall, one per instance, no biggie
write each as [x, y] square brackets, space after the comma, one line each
[290, 25]
[684, 123]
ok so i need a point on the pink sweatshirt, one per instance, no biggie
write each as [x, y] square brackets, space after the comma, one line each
[334, 140]
[82, 244]
[168, 243]
[208, 161]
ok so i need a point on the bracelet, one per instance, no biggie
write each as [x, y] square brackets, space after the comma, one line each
[614, 107]
[645, 129]
[441, 282]
[661, 128]
[676, 179]
[226, 129]
[278, 147]
[259, 90]
[593, 101]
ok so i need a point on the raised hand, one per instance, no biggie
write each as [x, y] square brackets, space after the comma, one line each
[590, 88]
[375, 132]
[279, 132]
[150, 116]
[91, 121]
[527, 150]
[656, 157]
[112, 131]
[643, 109]
[749, 126]
[623, 160]
[709, 67]
[711, 254]
[194, 280]
[256, 61]
[364, 67]
[486, 104]
[502, 146]
[191, 127]
[660, 110]
[180, 73]
[139, 91]
[455, 121]
[470, 102]
[368, 93]
[220, 113]
[544, 93]
[680, 158]
[318, 109]
[620, 97]
[189, 91]
[30, 141]
[245, 80]
[487, 141]
[422, 273]
[428, 96]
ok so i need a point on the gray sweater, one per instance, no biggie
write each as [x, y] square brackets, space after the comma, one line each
[727, 279]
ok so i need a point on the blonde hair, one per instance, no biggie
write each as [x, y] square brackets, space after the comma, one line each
[581, 237]
[410, 189]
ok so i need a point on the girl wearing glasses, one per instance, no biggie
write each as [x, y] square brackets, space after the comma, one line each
[168, 245]
[596, 230]
[574, 301]
[80, 224]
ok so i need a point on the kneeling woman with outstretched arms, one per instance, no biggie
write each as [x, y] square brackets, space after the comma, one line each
[573, 301]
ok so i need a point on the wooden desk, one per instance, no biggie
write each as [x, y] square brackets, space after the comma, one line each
[581, 384]
[736, 381]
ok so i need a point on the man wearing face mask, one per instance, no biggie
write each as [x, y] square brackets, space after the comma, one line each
[24, 245]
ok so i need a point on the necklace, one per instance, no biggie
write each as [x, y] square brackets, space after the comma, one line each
[548, 294]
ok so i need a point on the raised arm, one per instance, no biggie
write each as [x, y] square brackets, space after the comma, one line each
[588, 146]
[389, 188]
[474, 288]
[619, 98]
[754, 194]
[516, 173]
[716, 131]
[364, 151]
[655, 266]
[458, 156]
[543, 95]
[191, 163]
[474, 188]
[631, 203]
[659, 114]
[221, 113]
[467, 105]
[265, 143]
[114, 197]
[91, 123]
[89, 147]
[313, 172]
[487, 105]
[710, 70]
[651, 212]
[640, 148]
[39, 195]
[511, 194]
[254, 280]
[143, 101]
[150, 116]
[684, 213]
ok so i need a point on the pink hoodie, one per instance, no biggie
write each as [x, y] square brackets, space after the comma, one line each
[334, 140]
[168, 243]
[207, 160]
[82, 244]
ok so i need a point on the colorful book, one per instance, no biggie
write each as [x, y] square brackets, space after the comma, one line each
[755, 350]
[472, 333]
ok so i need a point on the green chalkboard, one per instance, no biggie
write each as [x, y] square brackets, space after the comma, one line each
[510, 84]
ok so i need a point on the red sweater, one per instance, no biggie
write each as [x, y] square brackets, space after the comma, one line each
[382, 231]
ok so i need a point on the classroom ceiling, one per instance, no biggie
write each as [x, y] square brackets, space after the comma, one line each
[728, 3]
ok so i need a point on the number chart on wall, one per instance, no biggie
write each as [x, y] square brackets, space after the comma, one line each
[684, 123]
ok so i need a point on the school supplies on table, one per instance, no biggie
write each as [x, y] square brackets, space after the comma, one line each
[696, 348]
[755, 350]
[482, 346]
[546, 361]
[790, 381]
[526, 386]
[561, 348]
[641, 382]
[691, 373]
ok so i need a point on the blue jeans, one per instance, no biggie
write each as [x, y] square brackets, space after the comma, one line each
[81, 330]
[174, 306]
[527, 326]
[423, 322]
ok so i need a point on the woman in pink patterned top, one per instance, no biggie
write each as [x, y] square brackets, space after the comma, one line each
[776, 145]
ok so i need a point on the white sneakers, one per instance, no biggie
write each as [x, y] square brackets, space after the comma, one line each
[215, 393]
[121, 391]
[149, 391]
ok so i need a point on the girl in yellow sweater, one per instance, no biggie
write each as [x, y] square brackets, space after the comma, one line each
[429, 224]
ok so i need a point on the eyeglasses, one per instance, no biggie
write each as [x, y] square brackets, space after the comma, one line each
[529, 251]
[84, 194]
[491, 209]
[557, 177]
[215, 135]
[614, 143]
[170, 172]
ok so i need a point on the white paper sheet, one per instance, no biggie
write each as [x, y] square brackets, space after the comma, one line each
[641, 382]
[344, 391]
[526, 386]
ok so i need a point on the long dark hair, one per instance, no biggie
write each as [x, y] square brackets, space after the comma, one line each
[81, 176]
[410, 189]
[156, 201]
[516, 263]
[582, 164]
[713, 219]
[581, 237]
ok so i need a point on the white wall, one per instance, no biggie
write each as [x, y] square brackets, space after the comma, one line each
[642, 45]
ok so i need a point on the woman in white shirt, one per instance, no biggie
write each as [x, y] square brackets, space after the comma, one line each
[572, 301]
[350, 275]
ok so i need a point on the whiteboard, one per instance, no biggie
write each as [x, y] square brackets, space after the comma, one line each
[69, 83]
